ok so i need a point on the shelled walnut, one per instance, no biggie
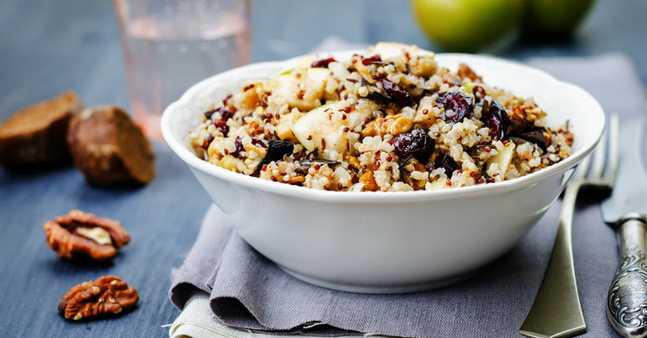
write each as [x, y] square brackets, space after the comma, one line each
[108, 295]
[83, 235]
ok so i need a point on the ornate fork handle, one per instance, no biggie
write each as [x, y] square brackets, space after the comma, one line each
[627, 298]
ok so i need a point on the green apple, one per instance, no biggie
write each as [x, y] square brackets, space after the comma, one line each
[551, 19]
[466, 25]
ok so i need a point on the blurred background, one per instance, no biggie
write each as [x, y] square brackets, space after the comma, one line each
[49, 46]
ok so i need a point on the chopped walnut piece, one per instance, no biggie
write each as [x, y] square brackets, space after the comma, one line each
[464, 71]
[369, 181]
[392, 124]
[80, 234]
[370, 129]
[107, 295]
[353, 162]
[296, 179]
[424, 66]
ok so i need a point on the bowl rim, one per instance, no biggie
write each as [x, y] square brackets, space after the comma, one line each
[195, 162]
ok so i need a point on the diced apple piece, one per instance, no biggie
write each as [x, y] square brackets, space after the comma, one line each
[502, 159]
[420, 61]
[317, 128]
[436, 185]
[285, 124]
[338, 70]
[319, 74]
[230, 163]
[388, 50]
[315, 125]
[469, 87]
[301, 89]
[424, 114]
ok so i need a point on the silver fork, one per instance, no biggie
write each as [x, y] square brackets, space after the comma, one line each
[556, 311]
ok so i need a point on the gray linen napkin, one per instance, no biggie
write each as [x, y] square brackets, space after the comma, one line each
[249, 292]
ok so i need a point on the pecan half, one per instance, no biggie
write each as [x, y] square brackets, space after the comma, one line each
[107, 295]
[82, 235]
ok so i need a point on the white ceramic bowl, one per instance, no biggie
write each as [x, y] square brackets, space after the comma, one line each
[388, 242]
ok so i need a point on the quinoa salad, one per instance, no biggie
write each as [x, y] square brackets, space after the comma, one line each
[400, 122]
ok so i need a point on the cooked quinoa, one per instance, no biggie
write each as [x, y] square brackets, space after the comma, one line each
[379, 124]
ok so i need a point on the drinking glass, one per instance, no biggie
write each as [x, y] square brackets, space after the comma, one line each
[169, 45]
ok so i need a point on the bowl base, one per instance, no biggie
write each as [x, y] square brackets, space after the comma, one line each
[382, 289]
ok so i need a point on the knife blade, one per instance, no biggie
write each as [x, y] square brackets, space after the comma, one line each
[625, 212]
[630, 188]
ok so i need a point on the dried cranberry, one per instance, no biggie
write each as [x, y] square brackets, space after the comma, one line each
[478, 92]
[323, 63]
[258, 142]
[225, 130]
[457, 107]
[445, 161]
[372, 59]
[239, 148]
[223, 112]
[207, 142]
[496, 119]
[534, 135]
[416, 143]
[395, 93]
[377, 97]
[221, 124]
[276, 151]
[208, 114]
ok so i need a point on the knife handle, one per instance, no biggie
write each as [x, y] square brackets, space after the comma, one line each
[627, 298]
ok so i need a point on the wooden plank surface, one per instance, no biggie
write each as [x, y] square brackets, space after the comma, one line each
[49, 46]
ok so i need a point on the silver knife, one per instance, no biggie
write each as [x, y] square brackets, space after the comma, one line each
[625, 211]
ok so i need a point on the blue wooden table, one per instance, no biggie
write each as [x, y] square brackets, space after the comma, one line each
[49, 46]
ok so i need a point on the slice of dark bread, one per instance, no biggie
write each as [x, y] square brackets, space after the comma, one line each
[108, 148]
[36, 135]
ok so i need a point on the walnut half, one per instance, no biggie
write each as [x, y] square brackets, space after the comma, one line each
[107, 295]
[82, 235]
